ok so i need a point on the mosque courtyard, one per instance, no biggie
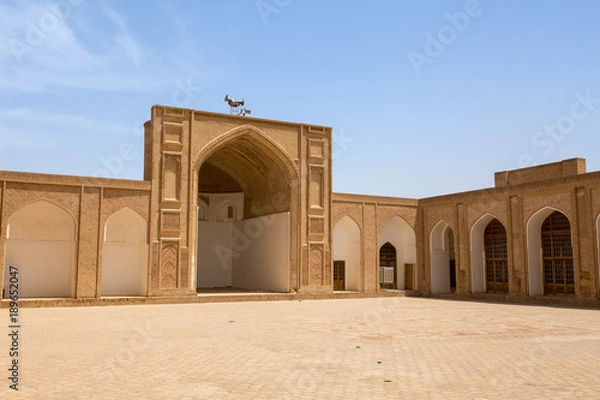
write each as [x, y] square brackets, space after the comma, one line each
[371, 348]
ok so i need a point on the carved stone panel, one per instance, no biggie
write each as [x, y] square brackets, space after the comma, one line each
[172, 134]
[154, 267]
[171, 177]
[315, 187]
[316, 226]
[170, 221]
[316, 265]
[169, 262]
[315, 149]
[183, 276]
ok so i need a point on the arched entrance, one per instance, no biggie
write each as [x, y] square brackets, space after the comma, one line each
[598, 245]
[41, 243]
[387, 266]
[557, 254]
[346, 254]
[401, 235]
[443, 260]
[245, 188]
[489, 256]
[496, 257]
[125, 255]
[550, 254]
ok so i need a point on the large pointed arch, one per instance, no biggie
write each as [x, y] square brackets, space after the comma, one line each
[442, 258]
[347, 250]
[125, 254]
[482, 256]
[268, 179]
[535, 268]
[402, 236]
[598, 249]
[41, 244]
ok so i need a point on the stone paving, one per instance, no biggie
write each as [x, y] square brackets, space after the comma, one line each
[378, 348]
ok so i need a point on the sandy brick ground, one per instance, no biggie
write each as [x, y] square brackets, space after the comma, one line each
[378, 348]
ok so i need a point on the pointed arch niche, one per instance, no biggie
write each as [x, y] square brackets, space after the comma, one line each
[598, 246]
[442, 258]
[41, 243]
[489, 256]
[125, 254]
[346, 249]
[550, 253]
[401, 235]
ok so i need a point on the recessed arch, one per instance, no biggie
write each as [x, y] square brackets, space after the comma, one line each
[442, 258]
[41, 243]
[125, 254]
[227, 210]
[347, 249]
[489, 255]
[254, 163]
[203, 211]
[535, 256]
[598, 247]
[240, 131]
[388, 266]
[402, 236]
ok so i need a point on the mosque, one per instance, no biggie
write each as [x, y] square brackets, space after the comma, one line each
[247, 203]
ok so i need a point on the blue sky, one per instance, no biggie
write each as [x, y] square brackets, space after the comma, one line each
[425, 98]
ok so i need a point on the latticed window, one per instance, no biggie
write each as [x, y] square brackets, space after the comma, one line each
[452, 260]
[559, 274]
[496, 257]
[387, 266]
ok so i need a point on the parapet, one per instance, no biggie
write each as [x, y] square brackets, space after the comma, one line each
[560, 169]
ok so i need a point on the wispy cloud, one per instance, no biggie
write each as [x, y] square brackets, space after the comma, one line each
[35, 60]
[81, 124]
[124, 39]
[12, 139]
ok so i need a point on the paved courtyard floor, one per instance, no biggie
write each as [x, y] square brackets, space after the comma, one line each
[378, 348]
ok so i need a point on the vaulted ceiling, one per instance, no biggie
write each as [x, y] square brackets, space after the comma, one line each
[259, 173]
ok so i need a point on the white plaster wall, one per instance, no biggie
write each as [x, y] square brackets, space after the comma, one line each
[41, 243]
[124, 255]
[440, 272]
[214, 254]
[402, 236]
[346, 247]
[440, 259]
[262, 258]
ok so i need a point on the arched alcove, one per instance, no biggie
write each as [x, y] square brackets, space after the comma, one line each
[401, 235]
[598, 246]
[489, 256]
[442, 258]
[253, 250]
[125, 254]
[542, 259]
[346, 250]
[41, 244]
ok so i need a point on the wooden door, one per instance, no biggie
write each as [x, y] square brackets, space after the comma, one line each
[339, 275]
